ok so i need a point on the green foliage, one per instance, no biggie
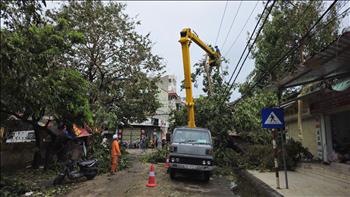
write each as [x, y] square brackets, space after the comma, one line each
[262, 137]
[32, 80]
[227, 157]
[11, 187]
[70, 101]
[114, 58]
[287, 25]
[24, 13]
[261, 156]
[247, 112]
[101, 153]
[177, 118]
[30, 180]
[282, 32]
[123, 162]
[295, 153]
[158, 156]
[211, 111]
[215, 116]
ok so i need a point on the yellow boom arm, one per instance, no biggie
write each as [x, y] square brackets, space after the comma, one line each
[214, 58]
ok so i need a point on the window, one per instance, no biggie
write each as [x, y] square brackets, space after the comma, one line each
[190, 136]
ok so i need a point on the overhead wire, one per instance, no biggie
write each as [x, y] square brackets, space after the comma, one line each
[295, 47]
[233, 21]
[239, 34]
[222, 19]
[248, 42]
[231, 86]
[300, 41]
[308, 7]
[250, 48]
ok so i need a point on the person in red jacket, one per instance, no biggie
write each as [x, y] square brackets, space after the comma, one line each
[115, 154]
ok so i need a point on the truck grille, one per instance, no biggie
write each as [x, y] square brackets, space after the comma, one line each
[190, 160]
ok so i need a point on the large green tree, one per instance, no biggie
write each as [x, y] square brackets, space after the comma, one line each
[212, 112]
[115, 59]
[288, 23]
[32, 83]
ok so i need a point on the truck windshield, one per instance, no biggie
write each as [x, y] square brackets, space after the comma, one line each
[190, 136]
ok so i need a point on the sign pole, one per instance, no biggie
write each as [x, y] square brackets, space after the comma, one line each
[273, 118]
[279, 93]
[284, 157]
[275, 155]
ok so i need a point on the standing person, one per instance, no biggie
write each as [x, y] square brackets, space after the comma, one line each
[115, 154]
[163, 143]
[143, 143]
[155, 140]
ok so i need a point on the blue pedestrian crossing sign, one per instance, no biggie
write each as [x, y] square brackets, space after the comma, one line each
[272, 118]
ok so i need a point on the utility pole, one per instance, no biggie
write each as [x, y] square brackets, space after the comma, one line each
[207, 71]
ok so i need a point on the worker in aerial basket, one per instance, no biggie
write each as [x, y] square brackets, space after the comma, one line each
[115, 154]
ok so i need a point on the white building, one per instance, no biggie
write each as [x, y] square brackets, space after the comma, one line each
[159, 123]
[168, 99]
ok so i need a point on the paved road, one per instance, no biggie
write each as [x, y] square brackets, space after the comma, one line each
[131, 182]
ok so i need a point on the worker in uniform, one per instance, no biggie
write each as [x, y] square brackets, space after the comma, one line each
[115, 154]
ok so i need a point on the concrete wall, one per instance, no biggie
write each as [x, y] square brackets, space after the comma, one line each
[133, 132]
[308, 137]
[16, 155]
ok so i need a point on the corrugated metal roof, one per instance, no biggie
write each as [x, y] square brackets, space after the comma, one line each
[332, 62]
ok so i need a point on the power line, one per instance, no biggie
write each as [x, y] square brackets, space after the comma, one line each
[250, 48]
[247, 45]
[222, 18]
[233, 21]
[231, 86]
[245, 24]
[255, 38]
[300, 41]
[295, 47]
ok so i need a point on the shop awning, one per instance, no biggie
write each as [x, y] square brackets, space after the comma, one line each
[80, 132]
[332, 62]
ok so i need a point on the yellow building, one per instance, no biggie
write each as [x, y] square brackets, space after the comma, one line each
[319, 115]
[323, 126]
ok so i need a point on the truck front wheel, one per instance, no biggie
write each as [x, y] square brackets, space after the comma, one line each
[206, 176]
[172, 173]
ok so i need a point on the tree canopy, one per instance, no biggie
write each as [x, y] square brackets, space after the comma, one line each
[116, 60]
[288, 24]
[212, 112]
[32, 82]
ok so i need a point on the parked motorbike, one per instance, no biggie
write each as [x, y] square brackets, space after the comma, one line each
[87, 168]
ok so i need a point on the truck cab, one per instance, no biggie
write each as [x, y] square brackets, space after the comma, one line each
[191, 150]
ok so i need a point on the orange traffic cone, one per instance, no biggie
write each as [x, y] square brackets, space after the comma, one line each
[151, 178]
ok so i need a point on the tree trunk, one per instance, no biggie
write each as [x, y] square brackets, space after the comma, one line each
[207, 71]
[37, 160]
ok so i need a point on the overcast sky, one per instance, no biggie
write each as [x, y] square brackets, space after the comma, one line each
[164, 21]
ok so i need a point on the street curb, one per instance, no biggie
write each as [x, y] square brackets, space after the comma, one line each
[261, 187]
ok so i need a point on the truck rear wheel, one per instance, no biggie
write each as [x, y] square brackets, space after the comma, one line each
[172, 173]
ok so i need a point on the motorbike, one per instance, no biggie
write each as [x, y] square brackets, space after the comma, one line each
[87, 168]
